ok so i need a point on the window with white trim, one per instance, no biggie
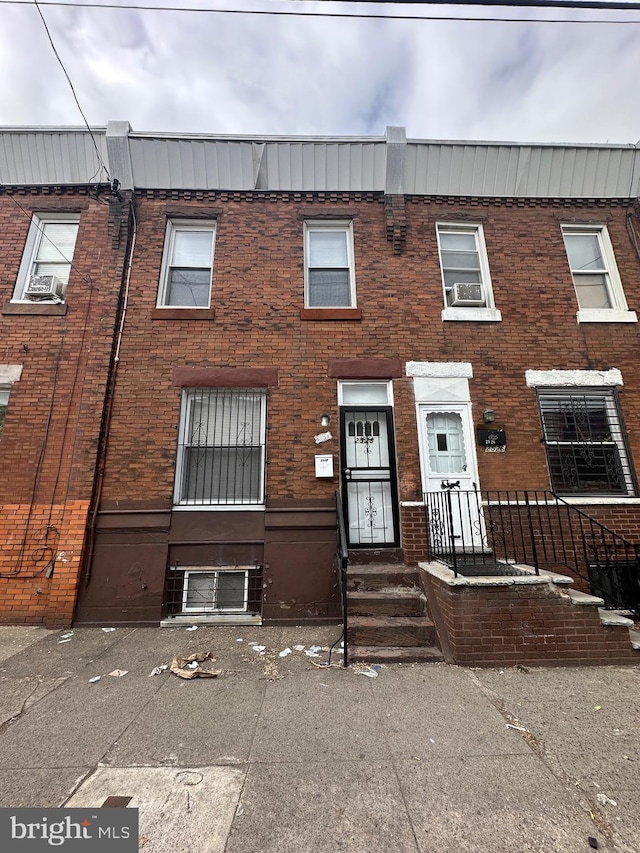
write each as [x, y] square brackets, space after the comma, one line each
[584, 438]
[465, 272]
[220, 591]
[187, 265]
[4, 400]
[329, 274]
[221, 449]
[47, 258]
[595, 274]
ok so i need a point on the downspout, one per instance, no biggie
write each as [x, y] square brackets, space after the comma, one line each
[107, 410]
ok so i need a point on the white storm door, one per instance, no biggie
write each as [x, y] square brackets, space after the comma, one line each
[448, 465]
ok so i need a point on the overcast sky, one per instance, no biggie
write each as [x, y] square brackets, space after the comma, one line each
[231, 73]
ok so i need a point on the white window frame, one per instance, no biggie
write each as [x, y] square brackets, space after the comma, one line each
[189, 395]
[35, 237]
[216, 572]
[174, 226]
[386, 386]
[4, 402]
[487, 312]
[619, 311]
[342, 226]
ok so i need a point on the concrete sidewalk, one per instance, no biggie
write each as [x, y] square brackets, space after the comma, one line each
[278, 754]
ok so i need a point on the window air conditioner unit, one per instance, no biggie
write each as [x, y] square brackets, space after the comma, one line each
[44, 287]
[465, 294]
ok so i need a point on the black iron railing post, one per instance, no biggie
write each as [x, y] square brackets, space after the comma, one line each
[534, 549]
[342, 553]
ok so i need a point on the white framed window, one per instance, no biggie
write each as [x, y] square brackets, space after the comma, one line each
[329, 272]
[47, 258]
[187, 264]
[365, 393]
[221, 448]
[585, 441]
[466, 281]
[4, 400]
[595, 275]
[218, 591]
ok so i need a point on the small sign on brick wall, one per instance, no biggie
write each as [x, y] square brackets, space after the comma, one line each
[493, 438]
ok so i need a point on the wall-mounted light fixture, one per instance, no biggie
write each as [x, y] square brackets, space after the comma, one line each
[488, 416]
[325, 419]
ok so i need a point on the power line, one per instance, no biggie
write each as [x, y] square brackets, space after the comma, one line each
[73, 91]
[633, 5]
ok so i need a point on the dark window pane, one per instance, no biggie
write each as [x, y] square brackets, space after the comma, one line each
[188, 287]
[231, 591]
[586, 468]
[221, 474]
[329, 288]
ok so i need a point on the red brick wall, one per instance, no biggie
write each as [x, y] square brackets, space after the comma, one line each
[255, 321]
[535, 625]
[36, 541]
[50, 437]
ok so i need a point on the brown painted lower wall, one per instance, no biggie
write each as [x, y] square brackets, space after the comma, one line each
[129, 581]
[301, 577]
[536, 625]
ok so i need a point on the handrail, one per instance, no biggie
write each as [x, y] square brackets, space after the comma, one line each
[495, 532]
[342, 553]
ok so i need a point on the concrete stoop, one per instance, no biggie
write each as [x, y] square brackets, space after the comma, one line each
[387, 615]
[615, 620]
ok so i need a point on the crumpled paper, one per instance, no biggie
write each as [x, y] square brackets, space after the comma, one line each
[203, 666]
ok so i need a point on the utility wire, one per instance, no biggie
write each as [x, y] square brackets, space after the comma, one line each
[601, 6]
[73, 91]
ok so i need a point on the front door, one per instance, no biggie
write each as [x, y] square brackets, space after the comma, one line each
[369, 488]
[448, 463]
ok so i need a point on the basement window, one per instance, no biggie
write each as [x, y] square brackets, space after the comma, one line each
[220, 591]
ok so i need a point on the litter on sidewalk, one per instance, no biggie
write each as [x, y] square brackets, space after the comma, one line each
[118, 673]
[197, 665]
[158, 670]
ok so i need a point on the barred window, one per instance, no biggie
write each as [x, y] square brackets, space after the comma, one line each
[215, 591]
[221, 452]
[585, 444]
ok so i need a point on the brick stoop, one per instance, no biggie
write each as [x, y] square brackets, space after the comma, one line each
[387, 615]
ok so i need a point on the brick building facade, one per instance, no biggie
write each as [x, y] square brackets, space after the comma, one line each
[310, 316]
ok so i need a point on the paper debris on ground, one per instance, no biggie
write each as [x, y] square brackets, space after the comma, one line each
[108, 630]
[370, 672]
[158, 670]
[605, 801]
[518, 728]
[203, 668]
[94, 679]
[118, 673]
[260, 649]
[284, 653]
[66, 637]
[192, 628]
[299, 648]
[313, 651]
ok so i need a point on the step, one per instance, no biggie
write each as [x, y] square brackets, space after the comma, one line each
[634, 636]
[395, 654]
[375, 577]
[382, 556]
[612, 619]
[397, 601]
[584, 599]
[391, 631]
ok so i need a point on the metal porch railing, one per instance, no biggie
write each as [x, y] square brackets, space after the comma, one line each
[496, 532]
[342, 553]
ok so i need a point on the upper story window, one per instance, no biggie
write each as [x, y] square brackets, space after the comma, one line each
[221, 449]
[328, 265]
[187, 265]
[585, 442]
[4, 399]
[47, 258]
[465, 273]
[595, 275]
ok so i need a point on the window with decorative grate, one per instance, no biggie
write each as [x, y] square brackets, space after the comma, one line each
[585, 442]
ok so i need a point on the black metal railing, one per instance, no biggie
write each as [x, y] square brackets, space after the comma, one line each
[342, 553]
[499, 532]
